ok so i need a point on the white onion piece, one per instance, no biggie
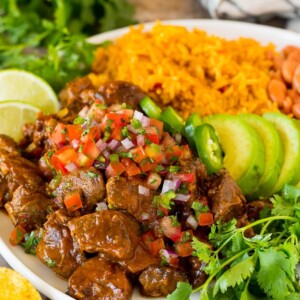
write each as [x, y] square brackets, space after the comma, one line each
[191, 220]
[84, 111]
[167, 186]
[145, 216]
[75, 144]
[178, 138]
[145, 122]
[71, 167]
[113, 144]
[138, 115]
[101, 145]
[182, 197]
[154, 180]
[131, 129]
[127, 143]
[140, 140]
[106, 154]
[144, 190]
[168, 255]
[101, 206]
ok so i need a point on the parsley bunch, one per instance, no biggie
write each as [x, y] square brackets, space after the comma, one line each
[48, 37]
[249, 268]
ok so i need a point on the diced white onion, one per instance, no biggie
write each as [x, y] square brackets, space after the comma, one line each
[101, 145]
[83, 112]
[170, 185]
[113, 144]
[75, 144]
[191, 220]
[106, 154]
[145, 216]
[145, 122]
[127, 143]
[101, 206]
[140, 140]
[131, 129]
[71, 167]
[144, 190]
[154, 180]
[182, 197]
[138, 115]
[178, 138]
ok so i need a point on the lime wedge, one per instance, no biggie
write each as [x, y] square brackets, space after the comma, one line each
[13, 115]
[27, 87]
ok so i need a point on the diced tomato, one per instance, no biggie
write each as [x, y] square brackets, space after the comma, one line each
[138, 154]
[167, 140]
[158, 125]
[116, 134]
[186, 152]
[58, 165]
[184, 249]
[205, 219]
[17, 235]
[130, 167]
[154, 151]
[186, 236]
[65, 155]
[157, 245]
[151, 134]
[91, 150]
[92, 134]
[146, 165]
[73, 201]
[128, 113]
[186, 177]
[164, 210]
[173, 153]
[58, 136]
[96, 112]
[74, 132]
[148, 238]
[114, 169]
[83, 160]
[170, 231]
[119, 120]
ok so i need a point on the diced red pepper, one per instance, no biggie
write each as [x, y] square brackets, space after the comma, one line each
[158, 125]
[130, 167]
[173, 153]
[73, 201]
[83, 160]
[151, 134]
[58, 136]
[114, 169]
[205, 219]
[91, 150]
[170, 231]
[157, 245]
[138, 154]
[184, 249]
[17, 235]
[128, 113]
[74, 132]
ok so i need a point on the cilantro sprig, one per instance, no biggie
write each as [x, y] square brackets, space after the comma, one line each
[249, 267]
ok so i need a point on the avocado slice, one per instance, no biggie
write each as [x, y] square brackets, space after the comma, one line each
[289, 133]
[244, 150]
[274, 153]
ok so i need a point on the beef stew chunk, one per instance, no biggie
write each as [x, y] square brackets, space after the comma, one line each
[56, 248]
[123, 194]
[89, 182]
[98, 279]
[118, 92]
[159, 281]
[110, 232]
[227, 199]
[195, 271]
[8, 144]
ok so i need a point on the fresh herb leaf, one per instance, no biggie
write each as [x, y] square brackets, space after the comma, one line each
[182, 292]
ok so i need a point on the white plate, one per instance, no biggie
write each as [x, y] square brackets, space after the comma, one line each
[29, 266]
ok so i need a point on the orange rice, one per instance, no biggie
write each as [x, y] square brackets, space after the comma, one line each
[190, 70]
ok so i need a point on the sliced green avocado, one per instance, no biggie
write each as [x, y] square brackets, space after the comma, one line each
[243, 148]
[290, 136]
[274, 153]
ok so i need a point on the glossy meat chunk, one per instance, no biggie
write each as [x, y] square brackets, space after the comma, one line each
[99, 279]
[29, 208]
[195, 271]
[8, 144]
[227, 199]
[118, 92]
[56, 248]
[89, 182]
[123, 194]
[159, 281]
[110, 232]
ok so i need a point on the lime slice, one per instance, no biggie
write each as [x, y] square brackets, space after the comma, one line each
[13, 115]
[27, 87]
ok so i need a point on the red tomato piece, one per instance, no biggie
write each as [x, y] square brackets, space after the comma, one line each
[167, 140]
[205, 219]
[154, 151]
[17, 235]
[66, 155]
[74, 132]
[138, 154]
[151, 134]
[158, 125]
[83, 160]
[146, 165]
[184, 249]
[173, 153]
[91, 150]
[170, 231]
[58, 136]
[114, 169]
[130, 166]
[157, 245]
[73, 201]
[58, 165]
[92, 134]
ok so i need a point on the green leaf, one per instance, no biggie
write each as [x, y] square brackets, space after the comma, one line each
[259, 240]
[273, 273]
[235, 275]
[221, 232]
[183, 292]
[202, 250]
[282, 206]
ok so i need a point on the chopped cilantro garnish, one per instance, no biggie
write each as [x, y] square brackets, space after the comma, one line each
[199, 207]
[174, 221]
[126, 154]
[114, 157]
[136, 124]
[79, 120]
[125, 132]
[159, 168]
[50, 263]
[174, 169]
[92, 174]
